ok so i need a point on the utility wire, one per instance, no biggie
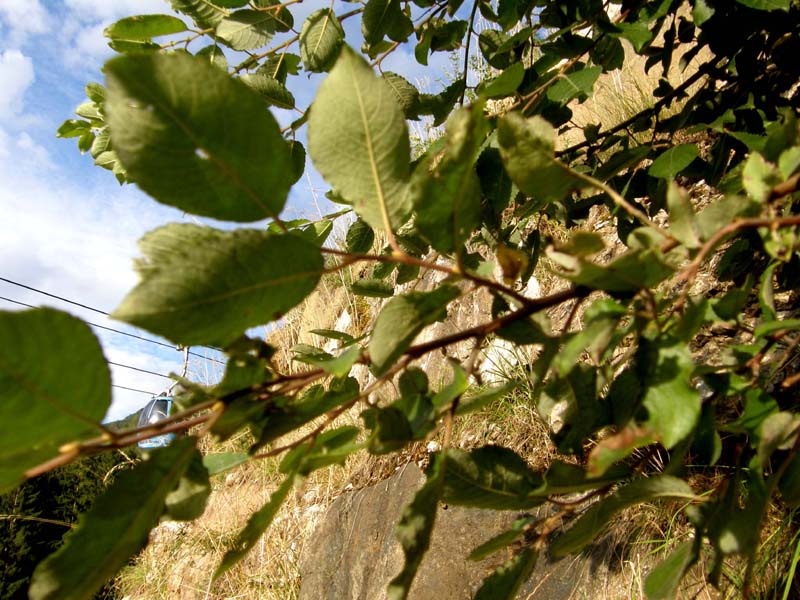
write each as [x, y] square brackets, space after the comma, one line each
[97, 310]
[132, 335]
[122, 387]
[33, 289]
[138, 369]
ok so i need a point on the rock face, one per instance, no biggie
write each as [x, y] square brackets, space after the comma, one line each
[353, 553]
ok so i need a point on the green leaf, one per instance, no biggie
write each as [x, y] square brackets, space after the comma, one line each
[407, 95]
[360, 237]
[594, 520]
[484, 398]
[358, 141]
[272, 90]
[224, 461]
[681, 217]
[338, 366]
[168, 132]
[115, 528]
[390, 427]
[671, 162]
[490, 477]
[214, 55]
[527, 147]
[662, 582]
[632, 271]
[334, 335]
[578, 84]
[144, 27]
[290, 415]
[372, 288]
[502, 540]
[441, 105]
[504, 84]
[246, 29]
[383, 17]
[445, 188]
[414, 529]
[718, 214]
[284, 21]
[73, 128]
[54, 384]
[298, 156]
[614, 448]
[789, 161]
[767, 4]
[600, 324]
[777, 432]
[672, 402]
[257, 524]
[701, 12]
[454, 389]
[206, 14]
[321, 40]
[206, 286]
[638, 34]
[134, 47]
[759, 177]
[188, 500]
[505, 582]
[402, 319]
[331, 448]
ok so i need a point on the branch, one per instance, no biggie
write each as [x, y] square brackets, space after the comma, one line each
[665, 101]
[466, 48]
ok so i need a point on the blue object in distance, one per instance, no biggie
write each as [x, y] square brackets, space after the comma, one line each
[156, 410]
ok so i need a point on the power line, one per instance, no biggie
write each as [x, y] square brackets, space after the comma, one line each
[122, 387]
[132, 368]
[97, 310]
[131, 335]
[33, 289]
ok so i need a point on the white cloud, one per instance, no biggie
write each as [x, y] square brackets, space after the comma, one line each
[105, 10]
[88, 47]
[76, 237]
[16, 73]
[23, 17]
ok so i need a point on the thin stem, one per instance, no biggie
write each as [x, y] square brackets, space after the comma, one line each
[470, 32]
[619, 200]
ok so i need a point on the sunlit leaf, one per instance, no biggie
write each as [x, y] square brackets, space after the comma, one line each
[595, 519]
[206, 286]
[445, 188]
[321, 40]
[402, 319]
[490, 477]
[174, 132]
[663, 581]
[504, 583]
[527, 147]
[144, 27]
[358, 141]
[54, 384]
[672, 161]
[246, 29]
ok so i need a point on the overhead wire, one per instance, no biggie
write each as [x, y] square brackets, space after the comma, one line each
[132, 368]
[131, 335]
[130, 389]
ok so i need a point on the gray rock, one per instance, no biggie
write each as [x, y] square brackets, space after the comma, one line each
[353, 553]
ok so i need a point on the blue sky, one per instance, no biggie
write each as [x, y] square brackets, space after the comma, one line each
[67, 227]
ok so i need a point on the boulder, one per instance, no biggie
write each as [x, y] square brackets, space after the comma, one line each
[353, 554]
